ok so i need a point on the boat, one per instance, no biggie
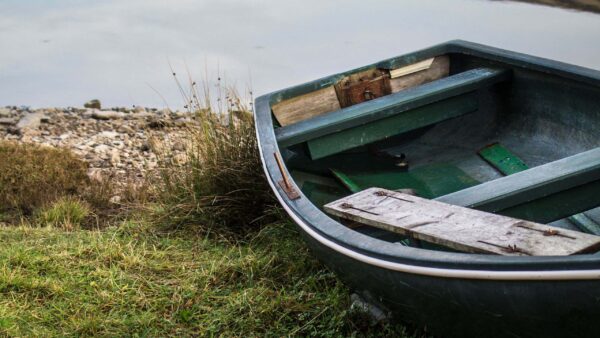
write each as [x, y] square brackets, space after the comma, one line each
[470, 138]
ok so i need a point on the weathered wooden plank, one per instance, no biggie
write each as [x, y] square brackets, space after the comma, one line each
[362, 86]
[306, 106]
[419, 73]
[457, 227]
[389, 105]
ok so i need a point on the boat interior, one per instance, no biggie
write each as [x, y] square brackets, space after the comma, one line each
[455, 128]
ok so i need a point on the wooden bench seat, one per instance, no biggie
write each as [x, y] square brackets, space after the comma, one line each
[544, 193]
[458, 227]
[390, 115]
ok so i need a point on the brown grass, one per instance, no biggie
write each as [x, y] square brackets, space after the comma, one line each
[32, 176]
[222, 182]
[35, 179]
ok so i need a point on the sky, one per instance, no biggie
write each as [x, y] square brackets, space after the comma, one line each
[64, 53]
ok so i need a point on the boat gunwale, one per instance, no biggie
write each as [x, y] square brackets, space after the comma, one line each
[336, 236]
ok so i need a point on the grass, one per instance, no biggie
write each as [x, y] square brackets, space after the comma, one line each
[201, 252]
[32, 176]
[66, 213]
[222, 183]
[134, 281]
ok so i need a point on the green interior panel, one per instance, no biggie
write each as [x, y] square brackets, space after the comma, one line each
[502, 159]
[429, 181]
[318, 189]
[508, 163]
[388, 127]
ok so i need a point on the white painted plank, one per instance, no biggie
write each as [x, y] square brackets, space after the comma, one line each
[439, 68]
[415, 67]
[459, 228]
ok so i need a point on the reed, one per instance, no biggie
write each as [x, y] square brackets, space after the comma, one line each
[221, 182]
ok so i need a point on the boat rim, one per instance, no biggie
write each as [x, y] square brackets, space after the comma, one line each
[335, 236]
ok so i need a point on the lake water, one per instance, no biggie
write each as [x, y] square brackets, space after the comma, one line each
[65, 52]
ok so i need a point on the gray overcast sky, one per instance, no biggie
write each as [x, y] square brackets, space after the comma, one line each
[59, 53]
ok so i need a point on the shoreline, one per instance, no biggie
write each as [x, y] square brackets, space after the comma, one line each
[121, 143]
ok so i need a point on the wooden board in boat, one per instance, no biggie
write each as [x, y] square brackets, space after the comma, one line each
[306, 106]
[419, 73]
[459, 228]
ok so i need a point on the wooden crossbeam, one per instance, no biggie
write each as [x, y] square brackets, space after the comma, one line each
[388, 106]
[508, 163]
[545, 193]
[457, 227]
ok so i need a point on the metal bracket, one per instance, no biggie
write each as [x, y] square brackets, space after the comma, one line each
[285, 184]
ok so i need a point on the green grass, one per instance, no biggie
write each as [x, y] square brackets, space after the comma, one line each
[67, 213]
[201, 251]
[134, 281]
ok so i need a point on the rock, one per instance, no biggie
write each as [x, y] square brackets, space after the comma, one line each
[5, 112]
[13, 131]
[157, 124]
[95, 174]
[177, 145]
[93, 104]
[115, 199]
[375, 313]
[30, 121]
[125, 129]
[107, 115]
[101, 149]
[115, 158]
[7, 121]
[116, 143]
[180, 158]
[109, 134]
[87, 113]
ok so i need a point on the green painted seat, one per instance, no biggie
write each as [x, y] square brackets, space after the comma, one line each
[543, 194]
[391, 115]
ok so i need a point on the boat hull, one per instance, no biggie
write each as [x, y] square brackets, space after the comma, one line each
[476, 308]
[450, 294]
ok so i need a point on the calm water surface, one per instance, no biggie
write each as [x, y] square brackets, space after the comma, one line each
[65, 52]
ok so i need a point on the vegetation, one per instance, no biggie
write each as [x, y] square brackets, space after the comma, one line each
[213, 259]
[132, 280]
[66, 213]
[222, 184]
[32, 176]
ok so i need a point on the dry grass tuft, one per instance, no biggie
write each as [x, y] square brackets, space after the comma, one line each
[221, 183]
[39, 183]
[66, 213]
[32, 176]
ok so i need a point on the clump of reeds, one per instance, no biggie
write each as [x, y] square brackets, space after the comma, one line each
[221, 183]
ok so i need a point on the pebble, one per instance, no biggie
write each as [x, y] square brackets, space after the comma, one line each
[7, 121]
[116, 143]
[107, 114]
[30, 121]
[5, 112]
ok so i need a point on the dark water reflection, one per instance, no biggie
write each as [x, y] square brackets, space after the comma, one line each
[64, 52]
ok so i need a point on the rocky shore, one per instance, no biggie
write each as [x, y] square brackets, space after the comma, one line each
[121, 143]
